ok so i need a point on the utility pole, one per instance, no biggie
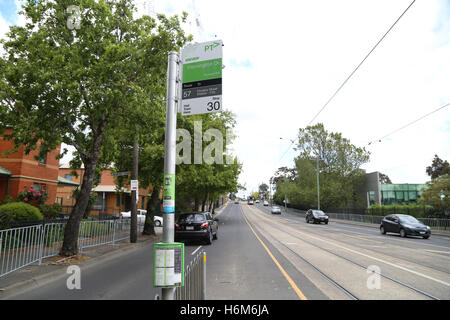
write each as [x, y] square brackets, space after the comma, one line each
[169, 159]
[318, 190]
[134, 193]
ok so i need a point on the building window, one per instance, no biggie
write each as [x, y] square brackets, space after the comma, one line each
[37, 187]
[68, 177]
[43, 160]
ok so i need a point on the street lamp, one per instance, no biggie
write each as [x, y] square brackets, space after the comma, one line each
[318, 188]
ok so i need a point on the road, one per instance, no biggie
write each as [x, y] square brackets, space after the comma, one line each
[261, 256]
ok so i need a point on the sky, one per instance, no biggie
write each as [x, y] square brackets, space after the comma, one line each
[284, 60]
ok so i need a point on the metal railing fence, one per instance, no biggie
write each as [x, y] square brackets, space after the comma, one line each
[20, 247]
[194, 280]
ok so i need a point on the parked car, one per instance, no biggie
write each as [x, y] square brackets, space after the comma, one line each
[265, 203]
[276, 210]
[236, 201]
[316, 216]
[257, 201]
[196, 226]
[405, 225]
[158, 221]
[141, 214]
[250, 202]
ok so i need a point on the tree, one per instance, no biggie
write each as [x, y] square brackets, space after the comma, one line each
[263, 189]
[335, 160]
[438, 168]
[77, 85]
[437, 193]
[384, 179]
[202, 183]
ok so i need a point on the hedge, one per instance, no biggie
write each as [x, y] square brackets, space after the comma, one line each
[415, 210]
[18, 211]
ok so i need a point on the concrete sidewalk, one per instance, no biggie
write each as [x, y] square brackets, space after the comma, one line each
[55, 267]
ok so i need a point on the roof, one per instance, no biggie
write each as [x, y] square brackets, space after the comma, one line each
[64, 181]
[4, 172]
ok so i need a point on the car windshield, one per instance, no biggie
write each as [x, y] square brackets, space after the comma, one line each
[408, 219]
[186, 218]
[275, 207]
[319, 213]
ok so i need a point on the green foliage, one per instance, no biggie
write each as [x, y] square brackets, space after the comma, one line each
[79, 85]
[437, 193]
[7, 199]
[338, 163]
[438, 168]
[18, 211]
[50, 211]
[413, 209]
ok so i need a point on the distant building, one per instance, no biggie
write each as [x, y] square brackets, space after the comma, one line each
[385, 194]
[18, 170]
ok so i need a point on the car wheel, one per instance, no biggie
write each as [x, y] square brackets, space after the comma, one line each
[402, 233]
[382, 231]
[326, 222]
[157, 223]
[426, 237]
[307, 221]
[209, 239]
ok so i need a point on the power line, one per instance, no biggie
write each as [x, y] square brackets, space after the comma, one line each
[353, 72]
[407, 125]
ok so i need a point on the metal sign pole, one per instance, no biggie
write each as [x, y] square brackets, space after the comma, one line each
[169, 159]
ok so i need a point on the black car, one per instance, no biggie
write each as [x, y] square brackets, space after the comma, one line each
[405, 225]
[196, 226]
[316, 216]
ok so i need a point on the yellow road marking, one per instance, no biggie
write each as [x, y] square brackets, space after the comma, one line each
[288, 278]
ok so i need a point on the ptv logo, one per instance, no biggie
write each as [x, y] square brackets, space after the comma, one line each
[212, 46]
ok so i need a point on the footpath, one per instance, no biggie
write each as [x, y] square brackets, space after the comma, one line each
[55, 268]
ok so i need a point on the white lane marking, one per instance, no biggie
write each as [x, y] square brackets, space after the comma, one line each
[446, 252]
[196, 250]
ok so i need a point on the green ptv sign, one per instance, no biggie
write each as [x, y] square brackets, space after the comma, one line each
[201, 90]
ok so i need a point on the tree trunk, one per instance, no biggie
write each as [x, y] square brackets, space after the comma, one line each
[152, 206]
[72, 228]
[196, 203]
[134, 176]
[71, 231]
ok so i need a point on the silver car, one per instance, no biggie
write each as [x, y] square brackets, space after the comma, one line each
[276, 210]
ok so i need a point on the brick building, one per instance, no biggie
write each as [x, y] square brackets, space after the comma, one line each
[18, 170]
[109, 200]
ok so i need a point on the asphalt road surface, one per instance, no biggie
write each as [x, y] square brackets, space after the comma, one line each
[261, 256]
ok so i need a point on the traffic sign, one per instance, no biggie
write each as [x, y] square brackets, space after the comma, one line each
[134, 185]
[201, 90]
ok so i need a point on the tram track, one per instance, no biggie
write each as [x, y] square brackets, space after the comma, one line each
[338, 285]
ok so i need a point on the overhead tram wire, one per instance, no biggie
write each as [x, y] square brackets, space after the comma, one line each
[353, 72]
[407, 125]
[359, 65]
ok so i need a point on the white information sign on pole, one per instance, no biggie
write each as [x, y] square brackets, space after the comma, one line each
[201, 74]
[134, 185]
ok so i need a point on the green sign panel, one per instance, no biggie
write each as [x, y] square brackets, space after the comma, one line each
[202, 78]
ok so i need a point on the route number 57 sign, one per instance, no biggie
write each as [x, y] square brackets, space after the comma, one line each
[201, 90]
